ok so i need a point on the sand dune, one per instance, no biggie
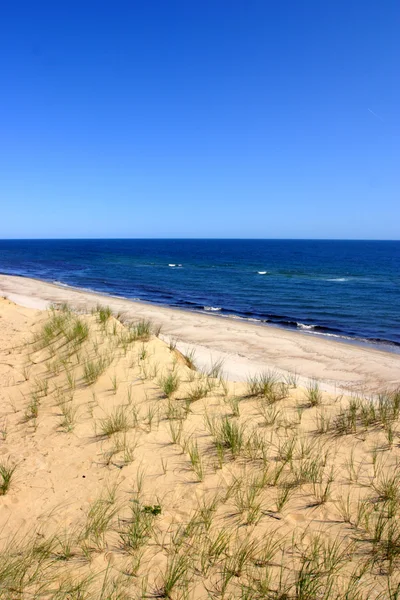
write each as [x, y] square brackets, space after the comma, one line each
[139, 475]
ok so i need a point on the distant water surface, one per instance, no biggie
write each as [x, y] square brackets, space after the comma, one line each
[343, 289]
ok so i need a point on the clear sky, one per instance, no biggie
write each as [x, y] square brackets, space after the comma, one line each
[200, 118]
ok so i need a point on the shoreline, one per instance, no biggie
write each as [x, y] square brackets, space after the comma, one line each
[308, 330]
[245, 347]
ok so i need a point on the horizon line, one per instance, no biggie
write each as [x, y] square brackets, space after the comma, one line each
[289, 239]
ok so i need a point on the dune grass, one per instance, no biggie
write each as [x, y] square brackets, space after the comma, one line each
[190, 359]
[116, 422]
[95, 367]
[6, 473]
[169, 383]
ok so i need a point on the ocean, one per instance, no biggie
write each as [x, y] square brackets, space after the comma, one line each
[348, 290]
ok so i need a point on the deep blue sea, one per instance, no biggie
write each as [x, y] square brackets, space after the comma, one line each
[345, 289]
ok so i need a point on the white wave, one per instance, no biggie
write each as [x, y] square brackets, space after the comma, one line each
[334, 335]
[338, 279]
[211, 308]
[303, 326]
[262, 272]
[239, 318]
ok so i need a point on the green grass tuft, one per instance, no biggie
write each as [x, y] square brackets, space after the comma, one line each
[6, 474]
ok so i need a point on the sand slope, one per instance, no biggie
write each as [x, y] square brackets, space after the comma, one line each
[137, 475]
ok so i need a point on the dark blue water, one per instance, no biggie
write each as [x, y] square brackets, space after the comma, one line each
[349, 289]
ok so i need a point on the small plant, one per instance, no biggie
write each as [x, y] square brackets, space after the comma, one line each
[114, 383]
[224, 385]
[117, 421]
[6, 473]
[322, 489]
[267, 386]
[32, 410]
[65, 546]
[256, 447]
[353, 472]
[142, 330]
[323, 422]
[261, 384]
[128, 450]
[269, 413]
[292, 379]
[92, 369]
[243, 553]
[387, 486]
[26, 369]
[140, 479]
[139, 526]
[230, 435]
[215, 546]
[169, 384]
[190, 359]
[153, 509]
[41, 388]
[206, 511]
[283, 497]
[71, 379]
[287, 448]
[175, 428]
[196, 460]
[234, 404]
[73, 588]
[152, 411]
[313, 393]
[197, 392]
[344, 508]
[176, 411]
[69, 413]
[247, 499]
[143, 353]
[176, 574]
[99, 519]
[215, 371]
[77, 333]
[104, 313]
[54, 366]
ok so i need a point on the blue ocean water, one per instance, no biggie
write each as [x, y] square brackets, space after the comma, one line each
[349, 289]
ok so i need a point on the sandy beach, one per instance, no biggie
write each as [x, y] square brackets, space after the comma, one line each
[244, 347]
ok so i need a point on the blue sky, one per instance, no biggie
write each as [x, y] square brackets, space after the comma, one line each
[200, 118]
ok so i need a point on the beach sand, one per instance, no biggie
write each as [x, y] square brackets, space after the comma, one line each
[139, 475]
[245, 348]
